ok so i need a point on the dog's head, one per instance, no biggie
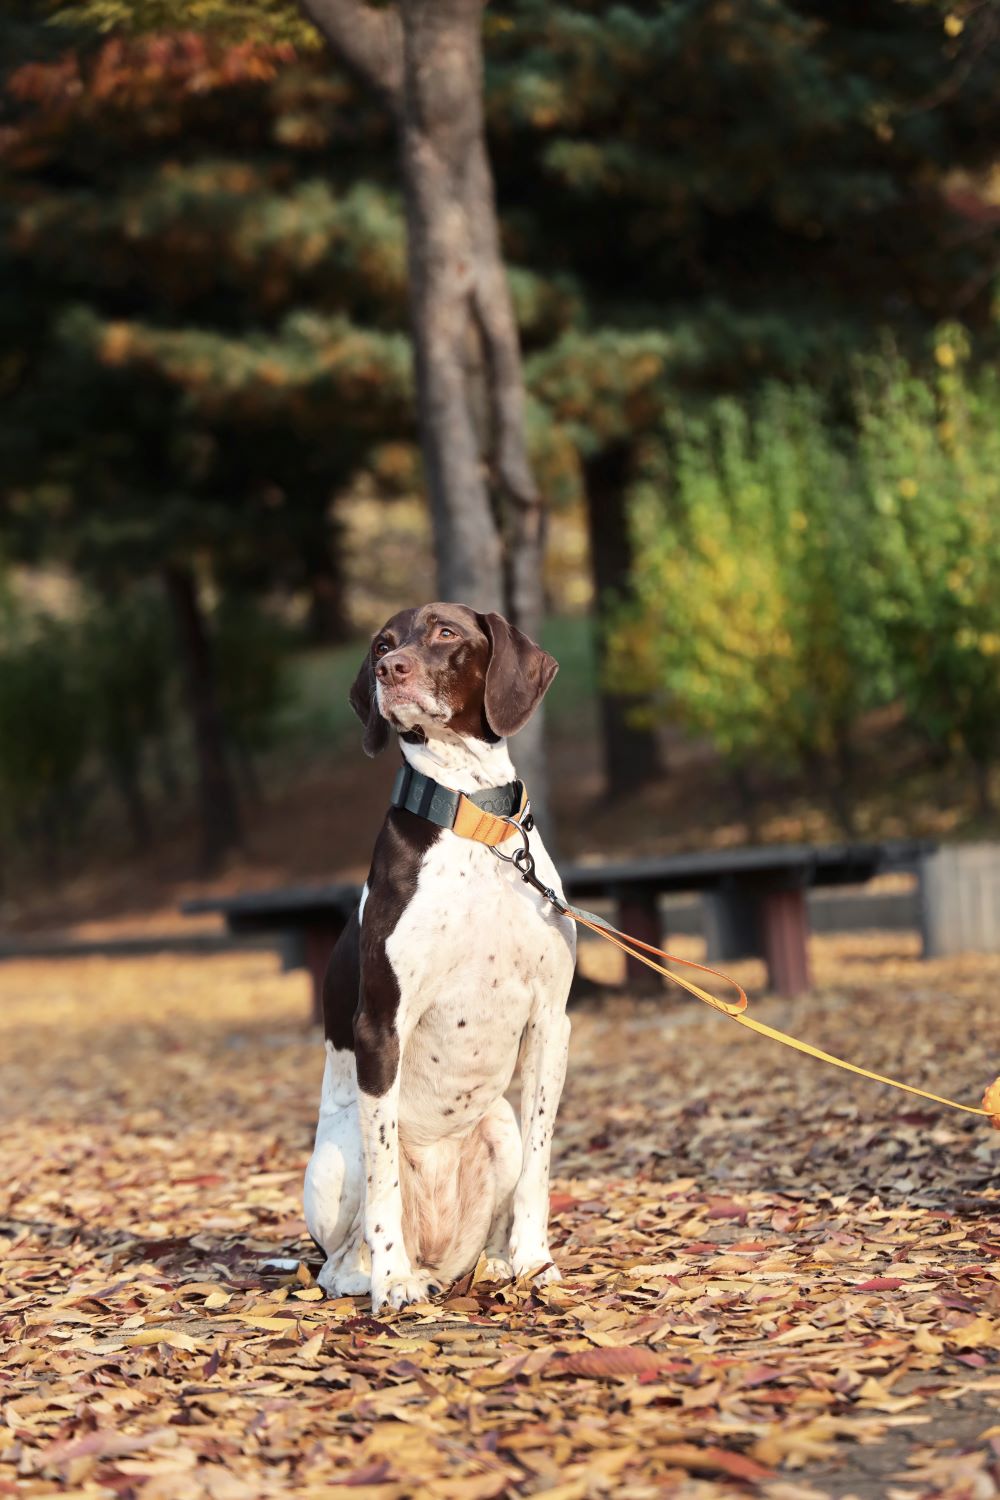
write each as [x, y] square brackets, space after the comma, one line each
[446, 667]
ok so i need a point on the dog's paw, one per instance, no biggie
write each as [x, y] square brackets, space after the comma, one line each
[400, 1291]
[536, 1264]
[546, 1274]
[494, 1268]
[337, 1281]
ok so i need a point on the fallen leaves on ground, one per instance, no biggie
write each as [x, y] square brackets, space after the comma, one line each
[778, 1280]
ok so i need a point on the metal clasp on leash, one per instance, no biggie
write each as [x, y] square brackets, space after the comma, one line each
[524, 861]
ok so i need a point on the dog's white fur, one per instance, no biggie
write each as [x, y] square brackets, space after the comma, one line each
[408, 1188]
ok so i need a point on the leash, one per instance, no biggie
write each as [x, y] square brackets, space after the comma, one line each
[523, 861]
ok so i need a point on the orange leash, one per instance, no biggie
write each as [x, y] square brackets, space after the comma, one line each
[524, 863]
[735, 1009]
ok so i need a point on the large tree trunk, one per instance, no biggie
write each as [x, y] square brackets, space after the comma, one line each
[220, 819]
[631, 754]
[440, 122]
[424, 57]
[484, 500]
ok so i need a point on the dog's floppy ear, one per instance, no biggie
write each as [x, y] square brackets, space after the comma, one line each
[517, 677]
[365, 705]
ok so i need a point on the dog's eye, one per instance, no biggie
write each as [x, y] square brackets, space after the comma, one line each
[381, 648]
[446, 631]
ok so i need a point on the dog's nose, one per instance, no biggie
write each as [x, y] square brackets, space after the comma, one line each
[394, 667]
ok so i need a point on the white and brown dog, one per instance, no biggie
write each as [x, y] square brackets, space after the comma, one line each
[451, 971]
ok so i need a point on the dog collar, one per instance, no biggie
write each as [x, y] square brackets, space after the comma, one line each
[480, 816]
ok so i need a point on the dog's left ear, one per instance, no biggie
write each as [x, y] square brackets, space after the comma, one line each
[517, 678]
[365, 705]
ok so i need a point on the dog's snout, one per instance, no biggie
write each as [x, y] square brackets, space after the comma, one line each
[395, 667]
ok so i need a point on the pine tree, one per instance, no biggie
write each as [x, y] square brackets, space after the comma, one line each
[200, 324]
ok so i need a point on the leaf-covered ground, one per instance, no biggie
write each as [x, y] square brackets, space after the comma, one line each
[779, 1281]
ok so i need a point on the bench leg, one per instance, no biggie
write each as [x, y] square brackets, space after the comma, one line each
[318, 944]
[785, 931]
[639, 917]
[731, 924]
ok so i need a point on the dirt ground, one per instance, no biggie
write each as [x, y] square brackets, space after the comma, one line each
[778, 1280]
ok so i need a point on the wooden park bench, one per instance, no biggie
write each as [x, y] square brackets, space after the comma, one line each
[754, 904]
[754, 899]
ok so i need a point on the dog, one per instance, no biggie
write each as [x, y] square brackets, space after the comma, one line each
[452, 971]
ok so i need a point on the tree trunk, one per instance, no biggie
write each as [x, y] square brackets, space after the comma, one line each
[747, 800]
[484, 502]
[327, 622]
[981, 780]
[127, 781]
[220, 819]
[441, 124]
[166, 768]
[829, 782]
[424, 58]
[631, 754]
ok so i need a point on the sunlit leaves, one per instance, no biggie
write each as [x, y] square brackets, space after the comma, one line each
[766, 1269]
[792, 574]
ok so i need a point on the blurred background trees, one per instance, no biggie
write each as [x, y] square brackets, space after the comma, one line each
[752, 254]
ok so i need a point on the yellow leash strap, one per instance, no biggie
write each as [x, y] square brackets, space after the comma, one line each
[523, 862]
[734, 1009]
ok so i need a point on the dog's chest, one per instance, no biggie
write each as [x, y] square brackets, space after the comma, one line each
[471, 952]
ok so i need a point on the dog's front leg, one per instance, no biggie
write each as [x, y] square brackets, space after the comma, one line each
[543, 1071]
[378, 1055]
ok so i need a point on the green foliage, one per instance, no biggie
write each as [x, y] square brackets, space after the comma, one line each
[123, 660]
[750, 613]
[46, 735]
[792, 574]
[742, 193]
[206, 342]
[251, 659]
[235, 20]
[931, 457]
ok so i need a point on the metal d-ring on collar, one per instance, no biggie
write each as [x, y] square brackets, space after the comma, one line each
[524, 861]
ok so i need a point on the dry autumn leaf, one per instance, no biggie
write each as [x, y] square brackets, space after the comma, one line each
[771, 1274]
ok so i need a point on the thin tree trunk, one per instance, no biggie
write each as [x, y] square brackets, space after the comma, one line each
[128, 784]
[166, 768]
[826, 775]
[247, 768]
[324, 577]
[220, 818]
[631, 753]
[981, 779]
[745, 796]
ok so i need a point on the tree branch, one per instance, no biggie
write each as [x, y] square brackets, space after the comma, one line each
[367, 41]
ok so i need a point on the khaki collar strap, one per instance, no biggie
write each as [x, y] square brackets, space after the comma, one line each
[480, 816]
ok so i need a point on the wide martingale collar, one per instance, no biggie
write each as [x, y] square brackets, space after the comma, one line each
[481, 816]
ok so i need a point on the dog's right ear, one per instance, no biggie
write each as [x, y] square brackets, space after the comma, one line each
[365, 705]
